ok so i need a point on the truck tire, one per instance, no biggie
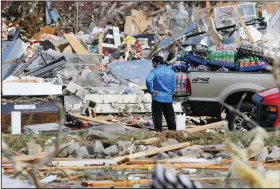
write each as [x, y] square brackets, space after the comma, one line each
[237, 123]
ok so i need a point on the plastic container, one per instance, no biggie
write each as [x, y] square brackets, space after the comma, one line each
[180, 122]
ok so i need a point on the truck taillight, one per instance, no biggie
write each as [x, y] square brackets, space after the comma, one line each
[272, 109]
[188, 87]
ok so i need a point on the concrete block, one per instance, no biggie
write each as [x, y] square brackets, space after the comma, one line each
[99, 99]
[73, 87]
[82, 93]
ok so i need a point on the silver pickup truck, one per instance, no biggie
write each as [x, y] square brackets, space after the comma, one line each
[207, 89]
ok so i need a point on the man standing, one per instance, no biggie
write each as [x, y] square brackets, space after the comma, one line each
[161, 83]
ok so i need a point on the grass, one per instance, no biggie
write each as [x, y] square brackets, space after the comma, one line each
[17, 142]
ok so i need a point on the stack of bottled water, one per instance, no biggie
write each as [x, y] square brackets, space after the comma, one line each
[223, 57]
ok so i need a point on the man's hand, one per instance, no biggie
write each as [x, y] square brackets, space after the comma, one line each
[155, 93]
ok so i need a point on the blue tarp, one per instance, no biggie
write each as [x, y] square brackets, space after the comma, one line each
[51, 14]
[132, 69]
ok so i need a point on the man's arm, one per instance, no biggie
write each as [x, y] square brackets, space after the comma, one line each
[149, 82]
[173, 83]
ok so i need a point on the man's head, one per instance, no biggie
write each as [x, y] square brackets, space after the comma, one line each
[157, 60]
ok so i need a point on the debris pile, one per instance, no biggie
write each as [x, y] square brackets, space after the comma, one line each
[94, 57]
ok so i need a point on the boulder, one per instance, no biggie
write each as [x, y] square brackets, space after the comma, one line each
[275, 153]
[262, 155]
[95, 147]
[80, 152]
[207, 156]
[172, 154]
[170, 141]
[124, 145]
[63, 153]
[223, 155]
[149, 147]
[111, 150]
[34, 148]
[140, 148]
[96, 134]
[72, 147]
[161, 155]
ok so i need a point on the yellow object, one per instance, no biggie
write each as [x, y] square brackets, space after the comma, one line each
[128, 39]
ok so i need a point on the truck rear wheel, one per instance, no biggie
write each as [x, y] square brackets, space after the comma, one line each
[236, 122]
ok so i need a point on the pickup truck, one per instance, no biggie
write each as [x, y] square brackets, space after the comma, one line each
[207, 89]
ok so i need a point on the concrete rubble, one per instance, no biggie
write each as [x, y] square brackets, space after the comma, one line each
[88, 61]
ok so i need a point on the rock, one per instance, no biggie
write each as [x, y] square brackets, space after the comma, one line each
[70, 156]
[72, 147]
[95, 147]
[170, 141]
[100, 155]
[80, 152]
[239, 144]
[172, 154]
[262, 155]
[111, 129]
[140, 148]
[49, 149]
[161, 155]
[186, 152]
[188, 171]
[198, 152]
[90, 156]
[218, 146]
[63, 153]
[275, 153]
[96, 134]
[149, 147]
[111, 150]
[124, 145]
[33, 148]
[207, 156]
[223, 155]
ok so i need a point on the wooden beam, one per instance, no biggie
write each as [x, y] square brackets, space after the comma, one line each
[100, 42]
[149, 141]
[155, 151]
[212, 150]
[242, 23]
[75, 44]
[176, 166]
[85, 118]
[117, 183]
[208, 126]
[25, 158]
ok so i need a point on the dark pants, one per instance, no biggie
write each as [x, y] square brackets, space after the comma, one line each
[168, 112]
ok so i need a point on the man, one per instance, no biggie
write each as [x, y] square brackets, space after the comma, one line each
[161, 83]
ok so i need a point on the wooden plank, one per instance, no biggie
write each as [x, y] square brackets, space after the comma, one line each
[100, 42]
[25, 158]
[155, 151]
[242, 23]
[149, 141]
[117, 183]
[75, 44]
[84, 162]
[208, 126]
[91, 119]
[213, 34]
[167, 166]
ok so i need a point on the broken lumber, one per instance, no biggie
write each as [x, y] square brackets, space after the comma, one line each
[100, 42]
[166, 166]
[25, 158]
[85, 118]
[155, 151]
[242, 23]
[83, 162]
[208, 126]
[75, 44]
[149, 141]
[117, 183]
